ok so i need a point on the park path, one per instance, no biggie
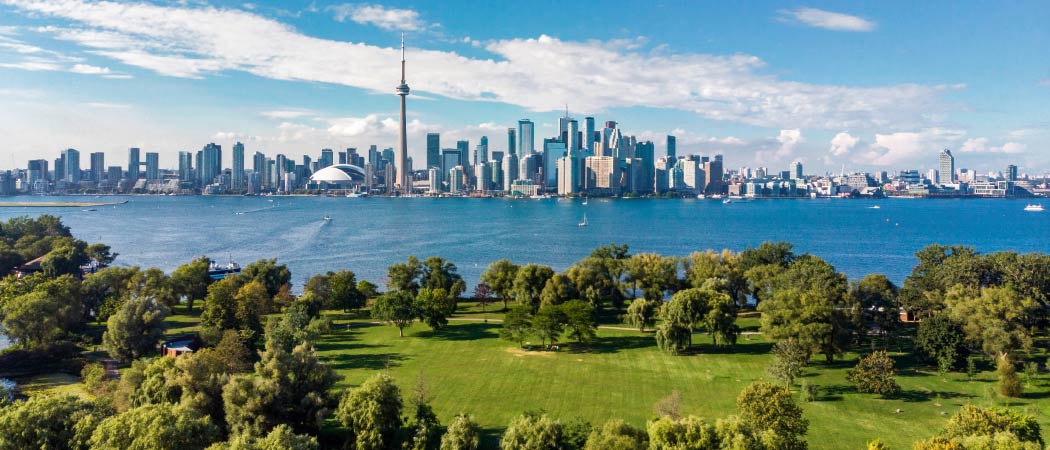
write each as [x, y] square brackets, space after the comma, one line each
[110, 365]
[600, 327]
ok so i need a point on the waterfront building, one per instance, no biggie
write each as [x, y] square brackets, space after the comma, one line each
[602, 176]
[796, 170]
[434, 179]
[568, 175]
[524, 188]
[946, 166]
[481, 151]
[71, 161]
[433, 150]
[512, 141]
[114, 174]
[529, 168]
[450, 158]
[510, 170]
[552, 150]
[210, 165]
[526, 138]
[455, 180]
[134, 164]
[1011, 173]
[153, 166]
[713, 176]
[646, 167]
[483, 175]
[572, 138]
[662, 174]
[98, 167]
[38, 175]
[672, 147]
[934, 176]
[403, 182]
[588, 136]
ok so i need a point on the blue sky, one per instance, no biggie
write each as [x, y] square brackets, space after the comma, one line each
[879, 85]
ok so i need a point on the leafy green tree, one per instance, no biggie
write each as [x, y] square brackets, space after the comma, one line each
[368, 290]
[153, 282]
[425, 428]
[405, 276]
[517, 324]
[439, 273]
[220, 308]
[558, 289]
[50, 422]
[673, 337]
[202, 375]
[251, 304]
[104, 290]
[768, 253]
[529, 284]
[345, 294]
[191, 280]
[579, 320]
[874, 375]
[9, 258]
[155, 427]
[641, 313]
[372, 413]
[877, 297]
[768, 408]
[810, 303]
[282, 437]
[720, 319]
[269, 273]
[154, 381]
[653, 273]
[462, 434]
[992, 319]
[548, 324]
[532, 431]
[135, 329]
[617, 435]
[939, 339]
[690, 432]
[295, 327]
[287, 388]
[976, 428]
[687, 310]
[397, 308]
[43, 316]
[1009, 384]
[726, 267]
[940, 268]
[101, 254]
[598, 278]
[500, 276]
[789, 359]
[65, 258]
[434, 307]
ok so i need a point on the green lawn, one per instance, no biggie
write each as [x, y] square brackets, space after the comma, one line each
[51, 384]
[469, 369]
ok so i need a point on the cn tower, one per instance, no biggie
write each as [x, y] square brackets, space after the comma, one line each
[403, 184]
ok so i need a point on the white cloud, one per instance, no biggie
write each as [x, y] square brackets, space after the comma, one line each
[981, 145]
[89, 69]
[380, 16]
[538, 74]
[789, 140]
[843, 143]
[905, 147]
[826, 19]
[285, 114]
[1045, 83]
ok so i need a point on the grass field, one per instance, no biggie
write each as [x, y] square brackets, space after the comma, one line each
[621, 375]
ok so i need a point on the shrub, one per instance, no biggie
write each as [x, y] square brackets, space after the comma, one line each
[874, 375]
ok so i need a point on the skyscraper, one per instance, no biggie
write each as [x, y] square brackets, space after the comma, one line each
[947, 166]
[796, 170]
[134, 163]
[588, 135]
[464, 153]
[98, 167]
[72, 165]
[327, 158]
[526, 138]
[572, 134]
[211, 164]
[512, 141]
[1011, 173]
[645, 152]
[185, 166]
[433, 150]
[672, 147]
[237, 175]
[152, 166]
[401, 160]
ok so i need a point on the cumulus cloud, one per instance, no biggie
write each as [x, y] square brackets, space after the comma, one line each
[842, 144]
[909, 146]
[285, 114]
[89, 69]
[827, 20]
[981, 145]
[380, 16]
[538, 74]
[789, 140]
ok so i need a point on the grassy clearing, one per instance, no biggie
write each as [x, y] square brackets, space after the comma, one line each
[52, 384]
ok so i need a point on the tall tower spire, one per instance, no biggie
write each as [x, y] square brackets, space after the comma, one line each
[403, 183]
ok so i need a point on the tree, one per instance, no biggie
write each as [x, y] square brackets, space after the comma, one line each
[655, 274]
[160, 426]
[9, 259]
[50, 422]
[548, 324]
[617, 435]
[500, 276]
[294, 327]
[439, 273]
[517, 324]
[726, 267]
[152, 381]
[810, 304]
[768, 253]
[100, 254]
[673, 337]
[251, 304]
[482, 295]
[579, 319]
[372, 413]
[877, 298]
[641, 313]
[434, 306]
[425, 427]
[104, 290]
[686, 310]
[269, 273]
[992, 318]
[939, 340]
[558, 289]
[789, 359]
[529, 284]
[345, 294]
[287, 388]
[598, 278]
[720, 319]
[462, 434]
[367, 289]
[874, 375]
[404, 276]
[532, 431]
[220, 308]
[397, 308]
[282, 437]
[766, 407]
[191, 280]
[153, 282]
[43, 316]
[1009, 384]
[690, 432]
[202, 375]
[999, 428]
[135, 329]
[65, 258]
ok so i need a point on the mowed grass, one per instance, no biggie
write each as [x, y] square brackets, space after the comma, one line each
[468, 369]
[52, 384]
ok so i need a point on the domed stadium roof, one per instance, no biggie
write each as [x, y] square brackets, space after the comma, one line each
[339, 173]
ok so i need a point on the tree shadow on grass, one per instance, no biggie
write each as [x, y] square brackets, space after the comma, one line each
[914, 396]
[488, 438]
[740, 348]
[834, 392]
[373, 361]
[613, 344]
[462, 332]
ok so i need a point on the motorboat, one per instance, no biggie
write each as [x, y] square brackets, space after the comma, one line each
[1034, 207]
[327, 218]
[727, 201]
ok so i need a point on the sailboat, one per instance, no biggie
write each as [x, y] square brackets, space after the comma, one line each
[584, 223]
[585, 201]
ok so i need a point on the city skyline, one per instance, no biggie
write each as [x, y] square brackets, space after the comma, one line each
[83, 76]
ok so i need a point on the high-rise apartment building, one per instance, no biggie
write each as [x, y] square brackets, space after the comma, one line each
[433, 150]
[526, 138]
[672, 147]
[588, 136]
[98, 167]
[512, 141]
[186, 174]
[152, 166]
[134, 164]
[946, 167]
[71, 160]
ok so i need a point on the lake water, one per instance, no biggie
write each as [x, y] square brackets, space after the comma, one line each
[368, 234]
